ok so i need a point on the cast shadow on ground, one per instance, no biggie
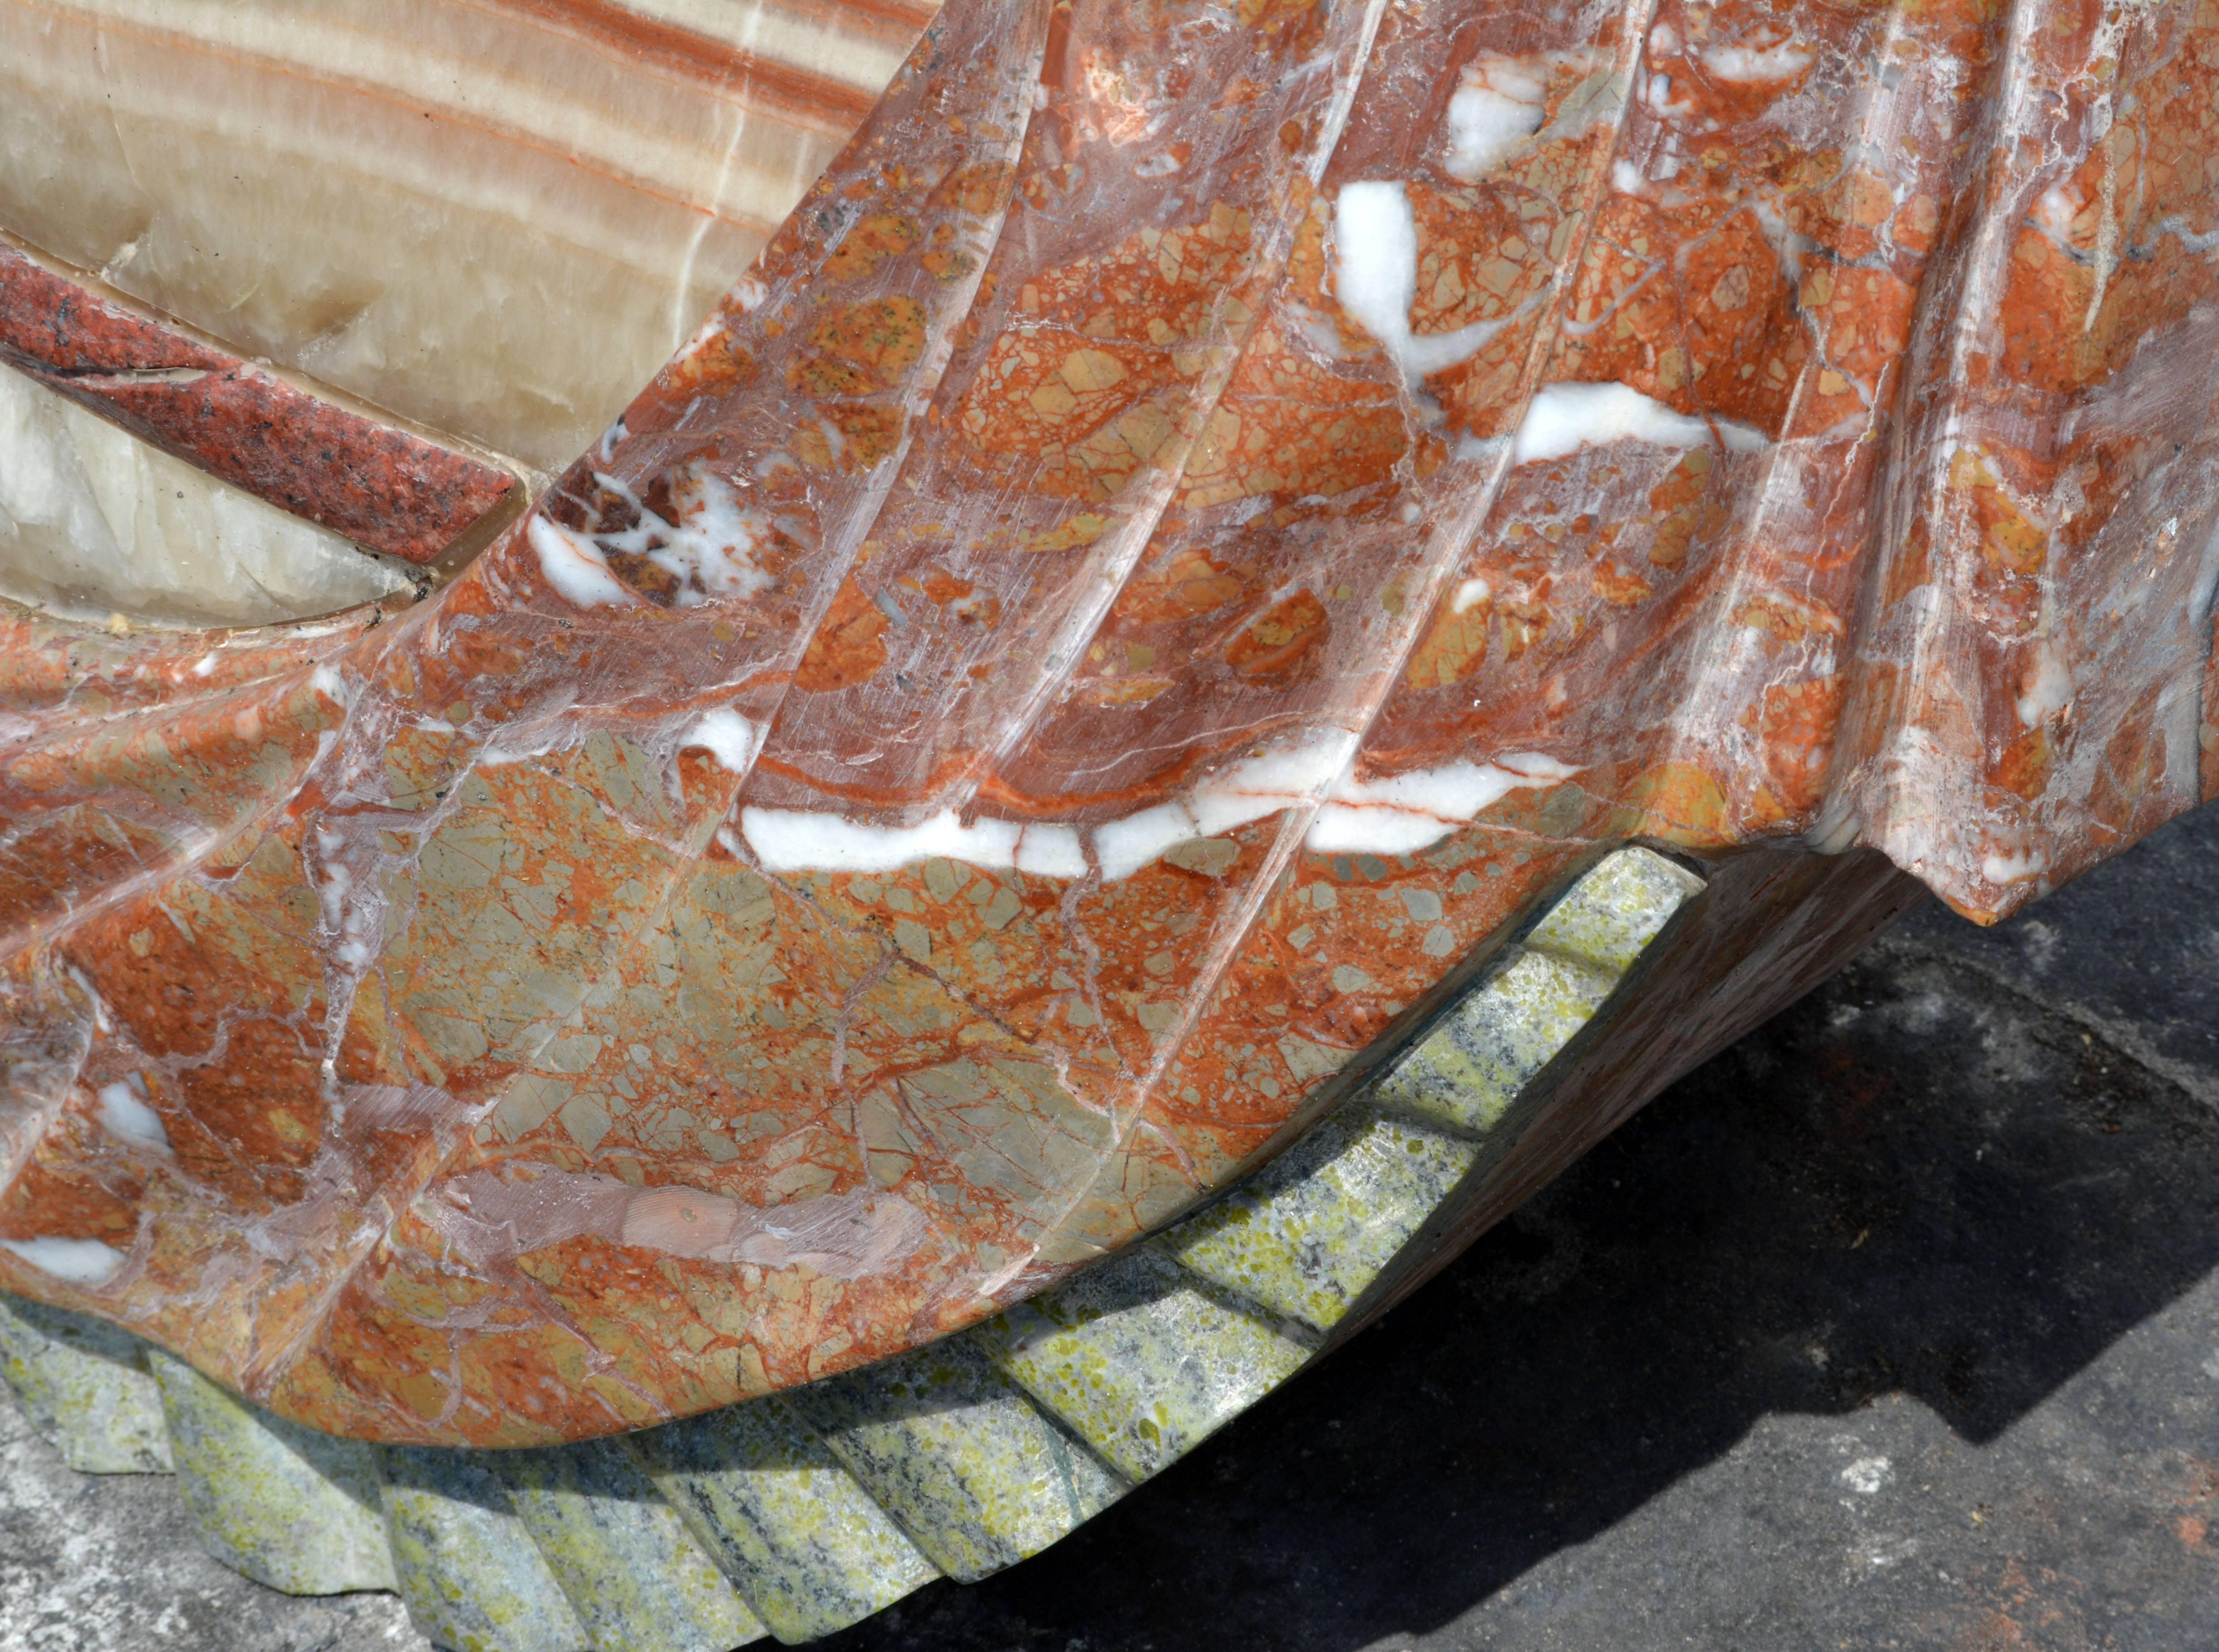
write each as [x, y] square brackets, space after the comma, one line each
[1917, 1180]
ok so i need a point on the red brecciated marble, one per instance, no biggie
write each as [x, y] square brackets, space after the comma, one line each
[1197, 523]
[379, 486]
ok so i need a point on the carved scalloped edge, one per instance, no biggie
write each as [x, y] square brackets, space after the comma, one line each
[801, 1513]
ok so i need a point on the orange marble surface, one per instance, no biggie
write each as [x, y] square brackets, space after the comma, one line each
[1197, 521]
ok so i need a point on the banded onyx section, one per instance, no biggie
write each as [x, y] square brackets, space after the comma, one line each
[497, 220]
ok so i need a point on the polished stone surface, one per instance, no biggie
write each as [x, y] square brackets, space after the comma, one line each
[422, 204]
[805, 1513]
[94, 521]
[340, 467]
[1898, 1324]
[1182, 541]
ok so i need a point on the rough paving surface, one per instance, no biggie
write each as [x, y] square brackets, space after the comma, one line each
[1898, 1325]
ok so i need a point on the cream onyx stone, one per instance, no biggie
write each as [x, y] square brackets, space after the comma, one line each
[94, 522]
[496, 220]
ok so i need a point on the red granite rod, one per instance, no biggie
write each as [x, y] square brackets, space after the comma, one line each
[376, 485]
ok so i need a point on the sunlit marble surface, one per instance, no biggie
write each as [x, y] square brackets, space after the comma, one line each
[1188, 537]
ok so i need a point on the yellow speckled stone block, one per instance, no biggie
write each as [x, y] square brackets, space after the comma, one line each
[1481, 1058]
[1307, 1234]
[637, 1582]
[84, 1385]
[1611, 916]
[472, 1577]
[976, 1475]
[803, 1543]
[1142, 1359]
[1477, 1061]
[292, 1508]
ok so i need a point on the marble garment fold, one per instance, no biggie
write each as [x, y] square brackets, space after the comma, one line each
[1191, 529]
[91, 518]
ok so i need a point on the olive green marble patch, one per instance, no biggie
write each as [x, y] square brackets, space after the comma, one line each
[472, 1577]
[1142, 1359]
[299, 1510]
[769, 1502]
[1307, 1234]
[1486, 1053]
[952, 1449]
[1609, 918]
[637, 1582]
[84, 1386]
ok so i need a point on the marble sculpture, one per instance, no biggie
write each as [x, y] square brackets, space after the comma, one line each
[1226, 629]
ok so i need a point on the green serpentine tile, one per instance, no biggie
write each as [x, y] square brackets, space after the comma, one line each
[1142, 1359]
[1311, 1231]
[83, 1384]
[1306, 1234]
[637, 1582]
[1483, 1056]
[289, 1508]
[953, 1450]
[1609, 918]
[805, 1544]
[1467, 1075]
[473, 1579]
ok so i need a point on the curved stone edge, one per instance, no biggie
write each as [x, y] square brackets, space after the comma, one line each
[799, 1514]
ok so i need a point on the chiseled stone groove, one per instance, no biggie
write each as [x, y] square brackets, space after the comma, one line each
[1147, 1354]
[770, 1502]
[289, 1508]
[801, 1513]
[472, 1576]
[621, 1554]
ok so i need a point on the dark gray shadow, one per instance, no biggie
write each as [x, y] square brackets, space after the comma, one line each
[1961, 1171]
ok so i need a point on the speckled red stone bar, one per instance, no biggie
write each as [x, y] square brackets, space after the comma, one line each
[379, 486]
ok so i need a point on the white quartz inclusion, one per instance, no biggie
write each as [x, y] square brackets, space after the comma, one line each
[2047, 687]
[1376, 278]
[574, 565]
[728, 737]
[1561, 418]
[80, 1261]
[1291, 777]
[124, 1114]
[1757, 65]
[93, 521]
[1399, 815]
[785, 840]
[1499, 104]
[709, 547]
[1404, 813]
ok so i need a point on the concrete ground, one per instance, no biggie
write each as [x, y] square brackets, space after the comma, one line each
[1896, 1326]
